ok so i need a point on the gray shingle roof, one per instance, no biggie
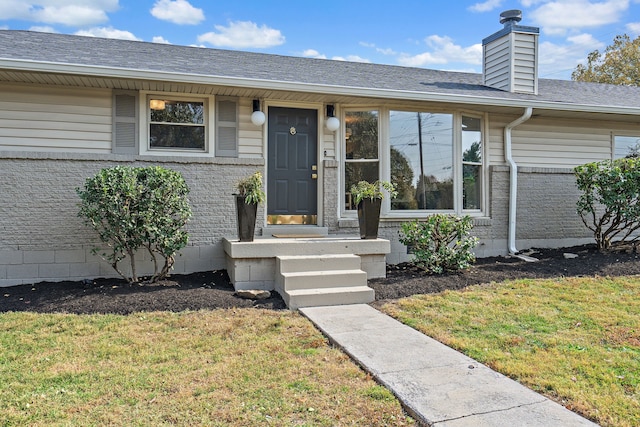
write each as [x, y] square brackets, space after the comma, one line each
[157, 58]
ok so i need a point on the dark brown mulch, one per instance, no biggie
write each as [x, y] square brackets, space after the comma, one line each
[211, 290]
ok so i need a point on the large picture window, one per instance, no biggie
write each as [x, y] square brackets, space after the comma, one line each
[176, 124]
[435, 159]
[421, 160]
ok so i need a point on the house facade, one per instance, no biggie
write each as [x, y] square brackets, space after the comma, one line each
[498, 146]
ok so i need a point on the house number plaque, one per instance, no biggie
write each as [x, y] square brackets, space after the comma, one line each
[293, 130]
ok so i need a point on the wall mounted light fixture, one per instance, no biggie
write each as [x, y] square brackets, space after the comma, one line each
[157, 104]
[332, 123]
[257, 117]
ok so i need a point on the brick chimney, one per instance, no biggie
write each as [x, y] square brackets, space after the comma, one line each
[510, 56]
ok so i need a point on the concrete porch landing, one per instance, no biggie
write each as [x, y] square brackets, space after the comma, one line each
[254, 265]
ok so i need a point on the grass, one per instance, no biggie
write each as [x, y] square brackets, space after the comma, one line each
[576, 340]
[222, 367]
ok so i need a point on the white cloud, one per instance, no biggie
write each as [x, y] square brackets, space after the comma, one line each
[529, 3]
[43, 29]
[107, 32]
[556, 17]
[563, 58]
[243, 34]
[66, 12]
[14, 9]
[160, 39]
[178, 12]
[634, 28]
[443, 51]
[4, 27]
[385, 51]
[350, 58]
[485, 6]
[312, 53]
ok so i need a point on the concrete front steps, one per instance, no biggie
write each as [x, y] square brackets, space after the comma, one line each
[321, 280]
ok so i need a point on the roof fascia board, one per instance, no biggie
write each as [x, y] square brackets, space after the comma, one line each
[126, 73]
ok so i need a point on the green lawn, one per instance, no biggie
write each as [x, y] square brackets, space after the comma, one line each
[222, 367]
[576, 340]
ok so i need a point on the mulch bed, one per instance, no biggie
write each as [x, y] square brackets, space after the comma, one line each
[211, 290]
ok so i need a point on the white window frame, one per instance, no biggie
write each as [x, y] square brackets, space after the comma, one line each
[209, 124]
[385, 162]
[624, 134]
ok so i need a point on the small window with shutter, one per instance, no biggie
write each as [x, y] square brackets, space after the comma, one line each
[227, 127]
[125, 122]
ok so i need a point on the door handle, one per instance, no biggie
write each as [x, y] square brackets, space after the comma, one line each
[314, 176]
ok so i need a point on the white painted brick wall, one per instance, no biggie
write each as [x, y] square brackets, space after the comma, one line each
[42, 238]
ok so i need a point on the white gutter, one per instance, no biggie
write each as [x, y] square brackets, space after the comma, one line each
[513, 181]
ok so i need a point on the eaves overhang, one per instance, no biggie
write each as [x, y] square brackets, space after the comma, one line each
[304, 87]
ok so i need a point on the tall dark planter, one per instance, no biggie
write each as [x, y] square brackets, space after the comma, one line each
[246, 214]
[369, 218]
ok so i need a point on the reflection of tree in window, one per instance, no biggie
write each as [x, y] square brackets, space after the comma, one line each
[362, 135]
[471, 162]
[361, 150]
[402, 179]
[180, 124]
[626, 146]
[423, 146]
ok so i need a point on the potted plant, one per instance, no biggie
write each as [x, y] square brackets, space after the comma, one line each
[249, 194]
[368, 199]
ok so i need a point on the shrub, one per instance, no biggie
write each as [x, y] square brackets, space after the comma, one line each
[133, 208]
[372, 190]
[609, 205]
[251, 189]
[441, 243]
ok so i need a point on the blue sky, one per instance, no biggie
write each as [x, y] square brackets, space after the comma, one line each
[438, 34]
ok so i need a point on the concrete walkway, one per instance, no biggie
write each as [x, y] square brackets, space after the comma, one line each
[437, 385]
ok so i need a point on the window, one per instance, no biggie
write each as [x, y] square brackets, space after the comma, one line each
[471, 162]
[435, 159]
[626, 146]
[177, 124]
[361, 150]
[421, 160]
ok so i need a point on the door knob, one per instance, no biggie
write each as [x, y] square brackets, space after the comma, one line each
[314, 176]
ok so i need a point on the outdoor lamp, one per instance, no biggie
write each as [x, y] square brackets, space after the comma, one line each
[332, 121]
[257, 117]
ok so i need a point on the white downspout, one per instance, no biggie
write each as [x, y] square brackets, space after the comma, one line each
[513, 181]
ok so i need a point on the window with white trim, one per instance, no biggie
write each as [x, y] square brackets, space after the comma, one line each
[626, 146]
[177, 124]
[361, 162]
[435, 159]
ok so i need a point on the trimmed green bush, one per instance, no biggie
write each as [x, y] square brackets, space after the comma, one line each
[609, 205]
[133, 208]
[440, 243]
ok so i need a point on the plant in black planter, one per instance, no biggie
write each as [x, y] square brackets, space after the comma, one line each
[249, 194]
[368, 198]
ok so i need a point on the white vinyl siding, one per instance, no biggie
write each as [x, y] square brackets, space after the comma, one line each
[524, 63]
[497, 64]
[250, 136]
[553, 143]
[510, 63]
[39, 118]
